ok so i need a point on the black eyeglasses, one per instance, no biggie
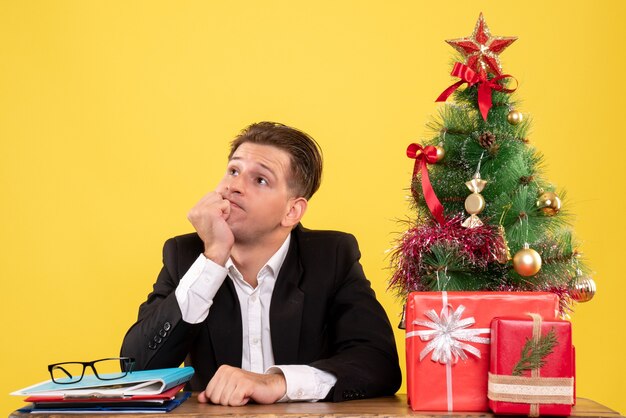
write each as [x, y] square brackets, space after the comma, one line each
[104, 369]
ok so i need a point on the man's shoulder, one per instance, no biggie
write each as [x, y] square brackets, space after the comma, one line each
[325, 238]
[185, 243]
[321, 234]
[326, 251]
[187, 239]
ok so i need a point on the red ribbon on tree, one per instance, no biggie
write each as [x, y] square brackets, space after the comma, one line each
[423, 156]
[485, 86]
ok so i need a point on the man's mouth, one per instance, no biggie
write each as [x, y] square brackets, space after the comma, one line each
[234, 204]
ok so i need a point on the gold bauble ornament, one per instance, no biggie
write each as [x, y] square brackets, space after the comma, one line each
[527, 262]
[440, 152]
[515, 117]
[549, 203]
[474, 203]
[583, 289]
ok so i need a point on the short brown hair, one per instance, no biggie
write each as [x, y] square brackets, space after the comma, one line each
[304, 152]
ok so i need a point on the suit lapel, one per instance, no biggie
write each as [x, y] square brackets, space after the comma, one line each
[286, 308]
[225, 327]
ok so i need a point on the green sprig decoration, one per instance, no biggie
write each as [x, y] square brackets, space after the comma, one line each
[535, 352]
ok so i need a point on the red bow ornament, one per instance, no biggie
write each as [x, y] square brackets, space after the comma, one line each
[485, 86]
[423, 156]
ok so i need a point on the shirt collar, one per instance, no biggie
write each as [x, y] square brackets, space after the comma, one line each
[274, 263]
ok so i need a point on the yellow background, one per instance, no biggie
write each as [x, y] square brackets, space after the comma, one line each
[115, 118]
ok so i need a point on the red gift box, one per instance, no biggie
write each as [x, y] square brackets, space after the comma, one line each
[447, 344]
[547, 390]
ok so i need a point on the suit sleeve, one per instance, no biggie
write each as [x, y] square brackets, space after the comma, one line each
[364, 356]
[160, 338]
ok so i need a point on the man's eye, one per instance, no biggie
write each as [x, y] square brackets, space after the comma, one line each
[261, 180]
[232, 171]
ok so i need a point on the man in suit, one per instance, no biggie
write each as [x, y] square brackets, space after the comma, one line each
[262, 308]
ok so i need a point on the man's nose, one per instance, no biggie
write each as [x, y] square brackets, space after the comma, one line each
[235, 184]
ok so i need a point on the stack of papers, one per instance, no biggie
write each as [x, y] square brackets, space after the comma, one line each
[138, 392]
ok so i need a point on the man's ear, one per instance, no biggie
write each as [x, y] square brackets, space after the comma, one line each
[295, 211]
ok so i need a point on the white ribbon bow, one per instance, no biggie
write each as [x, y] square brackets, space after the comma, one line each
[446, 334]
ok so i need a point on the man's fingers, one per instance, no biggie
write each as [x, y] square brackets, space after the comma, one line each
[209, 198]
[210, 390]
[221, 386]
[215, 389]
[227, 387]
[239, 396]
[236, 390]
[209, 218]
[212, 204]
[224, 205]
[227, 392]
[202, 398]
[235, 387]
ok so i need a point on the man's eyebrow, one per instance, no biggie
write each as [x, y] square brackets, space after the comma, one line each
[264, 166]
[267, 168]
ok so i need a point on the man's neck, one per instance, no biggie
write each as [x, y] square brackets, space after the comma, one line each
[249, 258]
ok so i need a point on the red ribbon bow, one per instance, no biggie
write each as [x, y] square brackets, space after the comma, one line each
[485, 86]
[423, 156]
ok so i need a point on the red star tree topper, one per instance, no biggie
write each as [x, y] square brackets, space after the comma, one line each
[481, 50]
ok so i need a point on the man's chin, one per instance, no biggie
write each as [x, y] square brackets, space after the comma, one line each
[237, 227]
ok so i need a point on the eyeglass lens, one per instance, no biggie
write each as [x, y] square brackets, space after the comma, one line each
[109, 369]
[67, 372]
[105, 369]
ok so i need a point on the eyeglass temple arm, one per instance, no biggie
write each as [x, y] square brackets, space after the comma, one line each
[128, 365]
[64, 371]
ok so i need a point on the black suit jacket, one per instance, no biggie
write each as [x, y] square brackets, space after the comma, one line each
[323, 314]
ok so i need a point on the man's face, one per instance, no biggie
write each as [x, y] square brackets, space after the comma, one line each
[255, 184]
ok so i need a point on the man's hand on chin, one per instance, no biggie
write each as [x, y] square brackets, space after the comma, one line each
[235, 387]
[209, 218]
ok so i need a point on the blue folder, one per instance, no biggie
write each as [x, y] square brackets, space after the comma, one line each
[143, 382]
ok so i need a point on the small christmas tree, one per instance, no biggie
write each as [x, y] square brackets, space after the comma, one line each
[480, 194]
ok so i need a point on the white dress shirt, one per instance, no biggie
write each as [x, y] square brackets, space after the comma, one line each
[195, 294]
